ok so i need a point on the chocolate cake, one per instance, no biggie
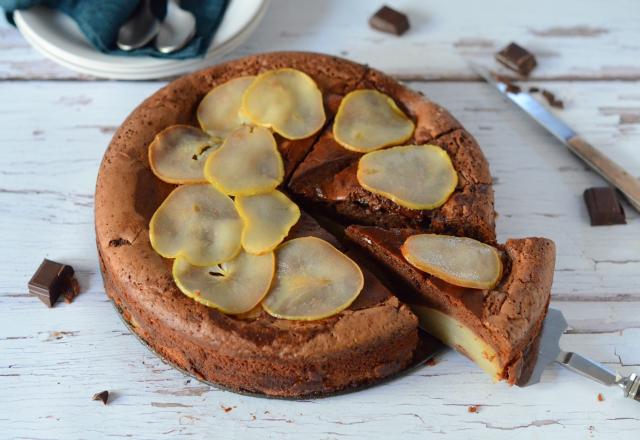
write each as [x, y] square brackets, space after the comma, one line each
[377, 335]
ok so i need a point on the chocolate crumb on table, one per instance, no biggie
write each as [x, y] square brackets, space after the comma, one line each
[51, 280]
[102, 396]
[517, 58]
[600, 397]
[389, 20]
[604, 207]
[552, 100]
[473, 409]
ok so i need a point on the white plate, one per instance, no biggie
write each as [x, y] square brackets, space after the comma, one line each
[57, 37]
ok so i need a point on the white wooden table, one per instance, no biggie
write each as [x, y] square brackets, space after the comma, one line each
[55, 126]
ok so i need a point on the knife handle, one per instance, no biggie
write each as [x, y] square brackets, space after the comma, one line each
[611, 171]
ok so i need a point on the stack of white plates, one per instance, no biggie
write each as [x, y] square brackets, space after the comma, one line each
[57, 37]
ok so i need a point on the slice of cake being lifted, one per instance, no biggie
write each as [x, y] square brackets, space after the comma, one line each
[497, 328]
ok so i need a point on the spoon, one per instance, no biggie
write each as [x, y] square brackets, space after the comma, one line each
[177, 29]
[140, 29]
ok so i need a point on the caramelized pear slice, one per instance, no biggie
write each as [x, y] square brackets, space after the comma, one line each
[287, 101]
[196, 222]
[247, 163]
[457, 260]
[313, 280]
[267, 220]
[368, 120]
[233, 287]
[178, 154]
[219, 111]
[413, 176]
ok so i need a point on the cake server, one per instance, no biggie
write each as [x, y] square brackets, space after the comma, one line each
[549, 352]
[598, 161]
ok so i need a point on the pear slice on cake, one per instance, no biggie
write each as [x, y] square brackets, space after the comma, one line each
[287, 101]
[234, 287]
[413, 176]
[459, 261]
[368, 120]
[247, 163]
[178, 154]
[196, 222]
[267, 219]
[313, 280]
[219, 111]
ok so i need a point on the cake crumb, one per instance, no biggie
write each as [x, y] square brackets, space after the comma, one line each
[600, 397]
[253, 416]
[473, 409]
[431, 362]
[227, 408]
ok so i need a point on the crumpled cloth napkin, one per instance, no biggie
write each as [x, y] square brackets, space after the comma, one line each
[99, 21]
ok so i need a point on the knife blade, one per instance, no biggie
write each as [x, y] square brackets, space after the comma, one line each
[613, 173]
[549, 352]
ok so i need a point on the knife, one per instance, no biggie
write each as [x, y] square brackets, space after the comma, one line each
[613, 173]
[549, 352]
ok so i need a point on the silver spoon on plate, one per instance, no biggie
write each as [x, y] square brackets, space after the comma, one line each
[171, 35]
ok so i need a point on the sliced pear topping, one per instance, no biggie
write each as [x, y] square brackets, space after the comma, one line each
[287, 101]
[413, 176]
[247, 163]
[233, 287]
[219, 111]
[368, 120]
[178, 153]
[196, 222]
[267, 220]
[457, 260]
[313, 280]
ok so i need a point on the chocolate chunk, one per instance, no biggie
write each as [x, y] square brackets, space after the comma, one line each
[517, 58]
[534, 89]
[103, 396]
[389, 20]
[50, 281]
[604, 207]
[552, 100]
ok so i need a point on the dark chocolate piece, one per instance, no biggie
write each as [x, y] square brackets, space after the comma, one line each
[534, 89]
[604, 207]
[50, 281]
[552, 100]
[103, 396]
[517, 58]
[389, 20]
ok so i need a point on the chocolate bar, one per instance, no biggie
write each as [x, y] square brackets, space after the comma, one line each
[50, 281]
[389, 20]
[604, 207]
[517, 58]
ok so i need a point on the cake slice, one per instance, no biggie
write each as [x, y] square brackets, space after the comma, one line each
[499, 328]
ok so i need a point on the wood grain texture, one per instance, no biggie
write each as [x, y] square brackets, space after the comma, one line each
[54, 360]
[563, 35]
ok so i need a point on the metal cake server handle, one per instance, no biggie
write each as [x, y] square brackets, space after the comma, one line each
[554, 326]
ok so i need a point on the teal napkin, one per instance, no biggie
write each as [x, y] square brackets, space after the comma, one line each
[99, 21]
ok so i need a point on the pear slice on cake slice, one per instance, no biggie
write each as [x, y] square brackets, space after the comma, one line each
[219, 111]
[459, 261]
[287, 101]
[368, 120]
[196, 222]
[247, 163]
[234, 287]
[313, 280]
[267, 220]
[178, 154]
[413, 176]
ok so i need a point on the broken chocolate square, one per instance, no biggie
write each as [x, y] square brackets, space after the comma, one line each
[389, 20]
[517, 58]
[604, 207]
[50, 281]
[102, 396]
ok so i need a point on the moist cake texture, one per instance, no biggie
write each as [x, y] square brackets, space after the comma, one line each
[375, 337]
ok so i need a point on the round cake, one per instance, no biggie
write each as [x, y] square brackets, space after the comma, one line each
[377, 335]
